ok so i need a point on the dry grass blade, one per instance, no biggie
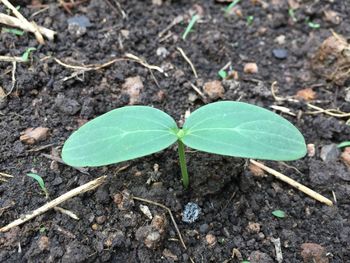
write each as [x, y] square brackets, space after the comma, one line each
[188, 61]
[330, 112]
[76, 191]
[294, 183]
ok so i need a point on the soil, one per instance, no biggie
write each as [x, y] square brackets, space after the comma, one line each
[236, 206]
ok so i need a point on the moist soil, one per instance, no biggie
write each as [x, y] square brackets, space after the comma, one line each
[235, 222]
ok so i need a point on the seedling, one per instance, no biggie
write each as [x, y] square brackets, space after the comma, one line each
[279, 213]
[343, 144]
[230, 6]
[13, 31]
[222, 73]
[41, 183]
[250, 20]
[190, 26]
[292, 14]
[313, 25]
[25, 55]
[227, 128]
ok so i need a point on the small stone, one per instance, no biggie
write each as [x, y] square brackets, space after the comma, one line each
[125, 33]
[34, 135]
[311, 150]
[123, 200]
[306, 94]
[162, 52]
[78, 25]
[214, 89]
[145, 210]
[67, 106]
[280, 53]
[115, 239]
[149, 236]
[250, 68]
[159, 223]
[345, 156]
[281, 39]
[211, 239]
[312, 252]
[260, 257]
[332, 16]
[94, 227]
[256, 171]
[329, 152]
[101, 219]
[168, 254]
[191, 213]
[133, 87]
[43, 243]
[253, 227]
[203, 229]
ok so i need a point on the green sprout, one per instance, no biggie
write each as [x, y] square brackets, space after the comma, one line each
[292, 14]
[230, 6]
[343, 144]
[250, 20]
[313, 25]
[190, 26]
[13, 31]
[41, 183]
[222, 73]
[228, 128]
[25, 55]
[245, 261]
[279, 213]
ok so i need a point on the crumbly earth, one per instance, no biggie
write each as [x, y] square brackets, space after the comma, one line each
[235, 205]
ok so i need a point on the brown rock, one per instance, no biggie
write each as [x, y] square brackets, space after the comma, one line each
[253, 227]
[159, 222]
[332, 16]
[168, 254]
[133, 87]
[260, 257]
[123, 200]
[214, 89]
[314, 253]
[43, 243]
[311, 150]
[345, 156]
[306, 94]
[34, 135]
[211, 239]
[250, 68]
[256, 171]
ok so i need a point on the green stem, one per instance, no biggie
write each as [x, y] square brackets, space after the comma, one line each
[181, 149]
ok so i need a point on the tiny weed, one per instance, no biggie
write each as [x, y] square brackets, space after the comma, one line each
[25, 56]
[250, 20]
[279, 213]
[292, 14]
[343, 144]
[40, 181]
[190, 26]
[13, 31]
[222, 73]
[232, 5]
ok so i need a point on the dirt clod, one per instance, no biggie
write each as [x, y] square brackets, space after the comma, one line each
[312, 252]
[250, 68]
[43, 243]
[260, 257]
[211, 239]
[34, 135]
[214, 89]
[133, 87]
[253, 227]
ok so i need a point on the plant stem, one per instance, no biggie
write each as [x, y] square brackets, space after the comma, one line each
[181, 149]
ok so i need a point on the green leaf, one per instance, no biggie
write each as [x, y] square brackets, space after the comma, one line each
[190, 26]
[40, 181]
[25, 56]
[243, 130]
[119, 135]
[13, 31]
[222, 73]
[279, 213]
[343, 144]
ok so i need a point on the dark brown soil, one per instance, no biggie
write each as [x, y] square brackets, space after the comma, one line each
[230, 197]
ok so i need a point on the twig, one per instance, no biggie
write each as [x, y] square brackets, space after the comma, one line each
[277, 244]
[293, 183]
[170, 213]
[76, 191]
[32, 26]
[66, 212]
[6, 175]
[14, 66]
[188, 61]
[144, 63]
[200, 93]
[11, 59]
[331, 112]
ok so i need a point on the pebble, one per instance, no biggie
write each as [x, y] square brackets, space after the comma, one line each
[280, 53]
[145, 210]
[312, 252]
[260, 257]
[250, 68]
[253, 227]
[133, 87]
[281, 39]
[211, 239]
[329, 152]
[162, 52]
[43, 243]
[345, 156]
[150, 237]
[101, 219]
[67, 106]
[78, 25]
[191, 213]
[214, 89]
[311, 150]
[203, 229]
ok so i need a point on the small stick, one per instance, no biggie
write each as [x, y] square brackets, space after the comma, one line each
[6, 175]
[66, 212]
[200, 93]
[188, 61]
[14, 66]
[331, 112]
[32, 26]
[15, 22]
[295, 184]
[76, 191]
[11, 59]
[170, 213]
[277, 244]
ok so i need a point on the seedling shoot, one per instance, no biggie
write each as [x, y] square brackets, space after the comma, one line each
[228, 128]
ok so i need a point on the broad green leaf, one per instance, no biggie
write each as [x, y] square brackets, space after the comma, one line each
[243, 130]
[119, 135]
[279, 213]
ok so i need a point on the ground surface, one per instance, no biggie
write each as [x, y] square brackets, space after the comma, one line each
[235, 205]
